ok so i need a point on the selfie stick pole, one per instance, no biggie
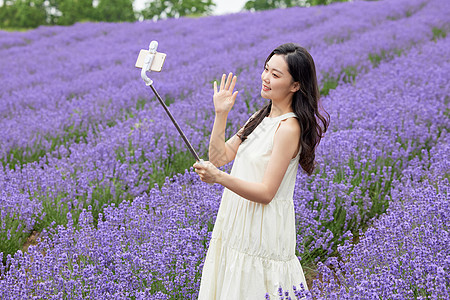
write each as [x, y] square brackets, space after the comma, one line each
[146, 68]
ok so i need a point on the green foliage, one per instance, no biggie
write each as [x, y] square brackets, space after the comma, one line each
[33, 13]
[74, 11]
[177, 8]
[14, 237]
[177, 163]
[101, 193]
[169, 100]
[358, 188]
[264, 5]
[376, 58]
[23, 14]
[438, 33]
[115, 11]
[328, 84]
[21, 156]
[272, 4]
[324, 2]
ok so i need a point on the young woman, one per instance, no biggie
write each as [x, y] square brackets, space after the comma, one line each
[252, 248]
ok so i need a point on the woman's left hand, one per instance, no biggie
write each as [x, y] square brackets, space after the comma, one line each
[207, 171]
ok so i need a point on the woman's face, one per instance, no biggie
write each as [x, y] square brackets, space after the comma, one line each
[277, 82]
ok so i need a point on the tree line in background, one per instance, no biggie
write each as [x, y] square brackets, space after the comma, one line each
[33, 13]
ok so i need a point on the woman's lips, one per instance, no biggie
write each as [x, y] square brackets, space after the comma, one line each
[265, 88]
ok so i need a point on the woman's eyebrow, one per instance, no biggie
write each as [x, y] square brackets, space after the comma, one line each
[267, 65]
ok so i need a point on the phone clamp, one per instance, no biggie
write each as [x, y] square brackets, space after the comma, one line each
[148, 62]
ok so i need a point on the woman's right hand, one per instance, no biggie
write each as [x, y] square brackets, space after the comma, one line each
[225, 97]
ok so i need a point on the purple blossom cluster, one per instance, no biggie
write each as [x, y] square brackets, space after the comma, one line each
[150, 248]
[83, 141]
[18, 215]
[405, 253]
[383, 123]
[97, 132]
[81, 77]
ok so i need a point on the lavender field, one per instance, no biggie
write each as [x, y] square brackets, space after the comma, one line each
[91, 165]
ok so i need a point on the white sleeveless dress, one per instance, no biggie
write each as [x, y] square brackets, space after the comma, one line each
[252, 248]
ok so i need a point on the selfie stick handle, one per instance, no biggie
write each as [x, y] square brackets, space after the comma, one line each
[146, 67]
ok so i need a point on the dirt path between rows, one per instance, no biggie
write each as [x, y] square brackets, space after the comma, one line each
[31, 240]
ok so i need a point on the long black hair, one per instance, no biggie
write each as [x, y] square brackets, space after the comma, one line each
[305, 103]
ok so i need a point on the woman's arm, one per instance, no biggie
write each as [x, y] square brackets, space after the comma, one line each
[231, 146]
[261, 192]
[221, 152]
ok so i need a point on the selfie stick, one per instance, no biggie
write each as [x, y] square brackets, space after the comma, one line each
[146, 68]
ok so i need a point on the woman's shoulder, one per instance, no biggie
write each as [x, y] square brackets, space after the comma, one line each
[289, 126]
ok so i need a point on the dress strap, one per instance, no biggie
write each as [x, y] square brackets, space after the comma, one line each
[286, 116]
[282, 117]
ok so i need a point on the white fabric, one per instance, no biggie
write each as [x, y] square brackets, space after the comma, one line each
[252, 248]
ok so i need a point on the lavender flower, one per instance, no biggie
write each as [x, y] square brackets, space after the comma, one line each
[83, 143]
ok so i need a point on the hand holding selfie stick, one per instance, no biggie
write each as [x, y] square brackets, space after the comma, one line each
[152, 60]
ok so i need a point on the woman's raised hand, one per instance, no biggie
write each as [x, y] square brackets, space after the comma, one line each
[225, 97]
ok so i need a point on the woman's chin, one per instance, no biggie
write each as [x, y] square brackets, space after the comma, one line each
[264, 94]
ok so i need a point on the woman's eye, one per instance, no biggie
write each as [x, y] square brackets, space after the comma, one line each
[275, 75]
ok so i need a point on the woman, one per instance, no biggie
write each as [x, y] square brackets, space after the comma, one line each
[252, 248]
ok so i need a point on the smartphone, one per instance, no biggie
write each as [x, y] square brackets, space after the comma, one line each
[157, 63]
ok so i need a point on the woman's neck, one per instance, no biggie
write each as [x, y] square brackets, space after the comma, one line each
[278, 110]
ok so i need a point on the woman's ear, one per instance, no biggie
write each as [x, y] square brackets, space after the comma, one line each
[295, 86]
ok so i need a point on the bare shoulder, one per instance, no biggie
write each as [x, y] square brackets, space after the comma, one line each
[289, 128]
